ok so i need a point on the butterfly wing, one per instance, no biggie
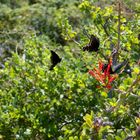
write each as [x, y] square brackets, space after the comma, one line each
[93, 44]
[86, 48]
[55, 59]
[114, 68]
[117, 67]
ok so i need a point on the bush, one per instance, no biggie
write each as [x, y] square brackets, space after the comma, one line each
[66, 102]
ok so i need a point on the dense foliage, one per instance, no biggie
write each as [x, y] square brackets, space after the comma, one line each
[67, 103]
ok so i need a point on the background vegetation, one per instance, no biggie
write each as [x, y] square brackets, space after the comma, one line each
[65, 103]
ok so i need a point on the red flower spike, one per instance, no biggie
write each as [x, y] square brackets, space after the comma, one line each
[103, 77]
[100, 65]
[108, 86]
[112, 78]
[91, 73]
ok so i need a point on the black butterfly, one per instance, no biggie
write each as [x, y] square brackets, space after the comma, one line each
[55, 59]
[93, 44]
[115, 68]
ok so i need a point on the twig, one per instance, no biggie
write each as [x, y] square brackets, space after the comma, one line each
[105, 30]
[106, 41]
[119, 24]
[73, 40]
[76, 42]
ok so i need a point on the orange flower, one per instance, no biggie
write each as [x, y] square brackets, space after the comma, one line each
[103, 77]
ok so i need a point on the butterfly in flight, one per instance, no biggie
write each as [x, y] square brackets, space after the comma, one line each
[55, 59]
[93, 44]
[115, 68]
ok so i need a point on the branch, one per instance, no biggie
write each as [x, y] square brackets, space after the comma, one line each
[119, 24]
[105, 30]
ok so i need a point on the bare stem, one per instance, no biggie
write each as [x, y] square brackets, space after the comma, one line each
[119, 33]
[119, 24]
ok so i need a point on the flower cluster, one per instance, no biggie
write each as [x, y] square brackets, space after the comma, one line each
[103, 75]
